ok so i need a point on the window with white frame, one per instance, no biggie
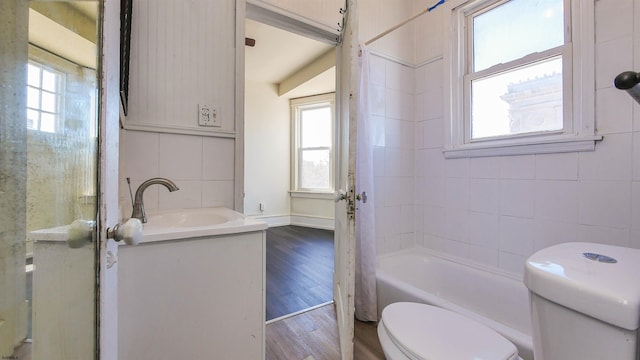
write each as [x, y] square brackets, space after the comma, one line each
[313, 121]
[521, 77]
[44, 98]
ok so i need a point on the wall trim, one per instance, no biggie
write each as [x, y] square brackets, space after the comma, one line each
[315, 222]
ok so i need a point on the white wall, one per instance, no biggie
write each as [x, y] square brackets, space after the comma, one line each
[267, 150]
[499, 210]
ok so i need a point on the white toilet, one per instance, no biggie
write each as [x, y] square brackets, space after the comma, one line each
[585, 302]
[418, 331]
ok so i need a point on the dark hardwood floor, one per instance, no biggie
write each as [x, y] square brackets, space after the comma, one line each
[299, 277]
[299, 269]
[313, 335]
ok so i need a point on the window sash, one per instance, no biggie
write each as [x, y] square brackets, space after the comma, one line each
[563, 51]
[297, 107]
[578, 90]
[57, 94]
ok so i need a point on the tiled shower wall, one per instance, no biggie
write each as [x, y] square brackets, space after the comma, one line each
[499, 210]
[392, 111]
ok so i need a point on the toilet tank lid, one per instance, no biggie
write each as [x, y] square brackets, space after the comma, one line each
[602, 281]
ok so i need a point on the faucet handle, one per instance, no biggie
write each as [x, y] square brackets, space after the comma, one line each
[130, 232]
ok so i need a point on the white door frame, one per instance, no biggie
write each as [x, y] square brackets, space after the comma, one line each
[108, 215]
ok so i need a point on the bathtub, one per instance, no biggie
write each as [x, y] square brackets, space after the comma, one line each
[495, 299]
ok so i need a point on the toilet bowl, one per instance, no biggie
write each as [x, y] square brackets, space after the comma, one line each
[418, 331]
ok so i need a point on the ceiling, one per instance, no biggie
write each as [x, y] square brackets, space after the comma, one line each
[279, 54]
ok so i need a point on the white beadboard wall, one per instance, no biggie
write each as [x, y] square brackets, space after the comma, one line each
[182, 55]
[499, 210]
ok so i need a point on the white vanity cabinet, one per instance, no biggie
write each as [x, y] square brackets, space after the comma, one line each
[192, 298]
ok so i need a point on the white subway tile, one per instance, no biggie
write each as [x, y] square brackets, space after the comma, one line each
[484, 195]
[614, 18]
[611, 160]
[217, 193]
[434, 104]
[457, 193]
[457, 224]
[434, 221]
[189, 195]
[434, 191]
[517, 198]
[635, 205]
[549, 232]
[180, 157]
[613, 112]
[517, 235]
[141, 157]
[433, 133]
[456, 168]
[517, 167]
[484, 230]
[218, 158]
[512, 262]
[604, 203]
[483, 255]
[557, 166]
[604, 235]
[613, 57]
[556, 200]
[485, 167]
[636, 155]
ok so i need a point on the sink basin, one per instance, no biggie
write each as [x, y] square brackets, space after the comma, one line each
[186, 219]
[189, 223]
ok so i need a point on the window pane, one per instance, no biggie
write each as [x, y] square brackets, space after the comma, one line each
[48, 122]
[49, 81]
[515, 29]
[315, 169]
[527, 99]
[33, 75]
[32, 119]
[316, 127]
[33, 98]
[49, 102]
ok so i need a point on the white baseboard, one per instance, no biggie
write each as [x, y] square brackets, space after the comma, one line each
[297, 220]
[313, 222]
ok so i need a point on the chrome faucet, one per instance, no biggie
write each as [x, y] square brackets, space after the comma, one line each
[138, 204]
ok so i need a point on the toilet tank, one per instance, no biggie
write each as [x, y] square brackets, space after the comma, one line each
[585, 301]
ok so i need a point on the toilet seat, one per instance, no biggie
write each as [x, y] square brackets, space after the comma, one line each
[428, 332]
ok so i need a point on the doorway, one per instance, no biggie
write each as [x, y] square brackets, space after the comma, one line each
[280, 66]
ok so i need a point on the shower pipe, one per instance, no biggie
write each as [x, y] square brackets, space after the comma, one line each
[630, 82]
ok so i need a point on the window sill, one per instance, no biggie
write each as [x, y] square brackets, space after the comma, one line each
[518, 147]
[312, 194]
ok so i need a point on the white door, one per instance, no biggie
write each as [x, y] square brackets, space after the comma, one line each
[344, 281]
[48, 165]
[108, 180]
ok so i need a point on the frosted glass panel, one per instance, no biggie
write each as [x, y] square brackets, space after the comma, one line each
[48, 109]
